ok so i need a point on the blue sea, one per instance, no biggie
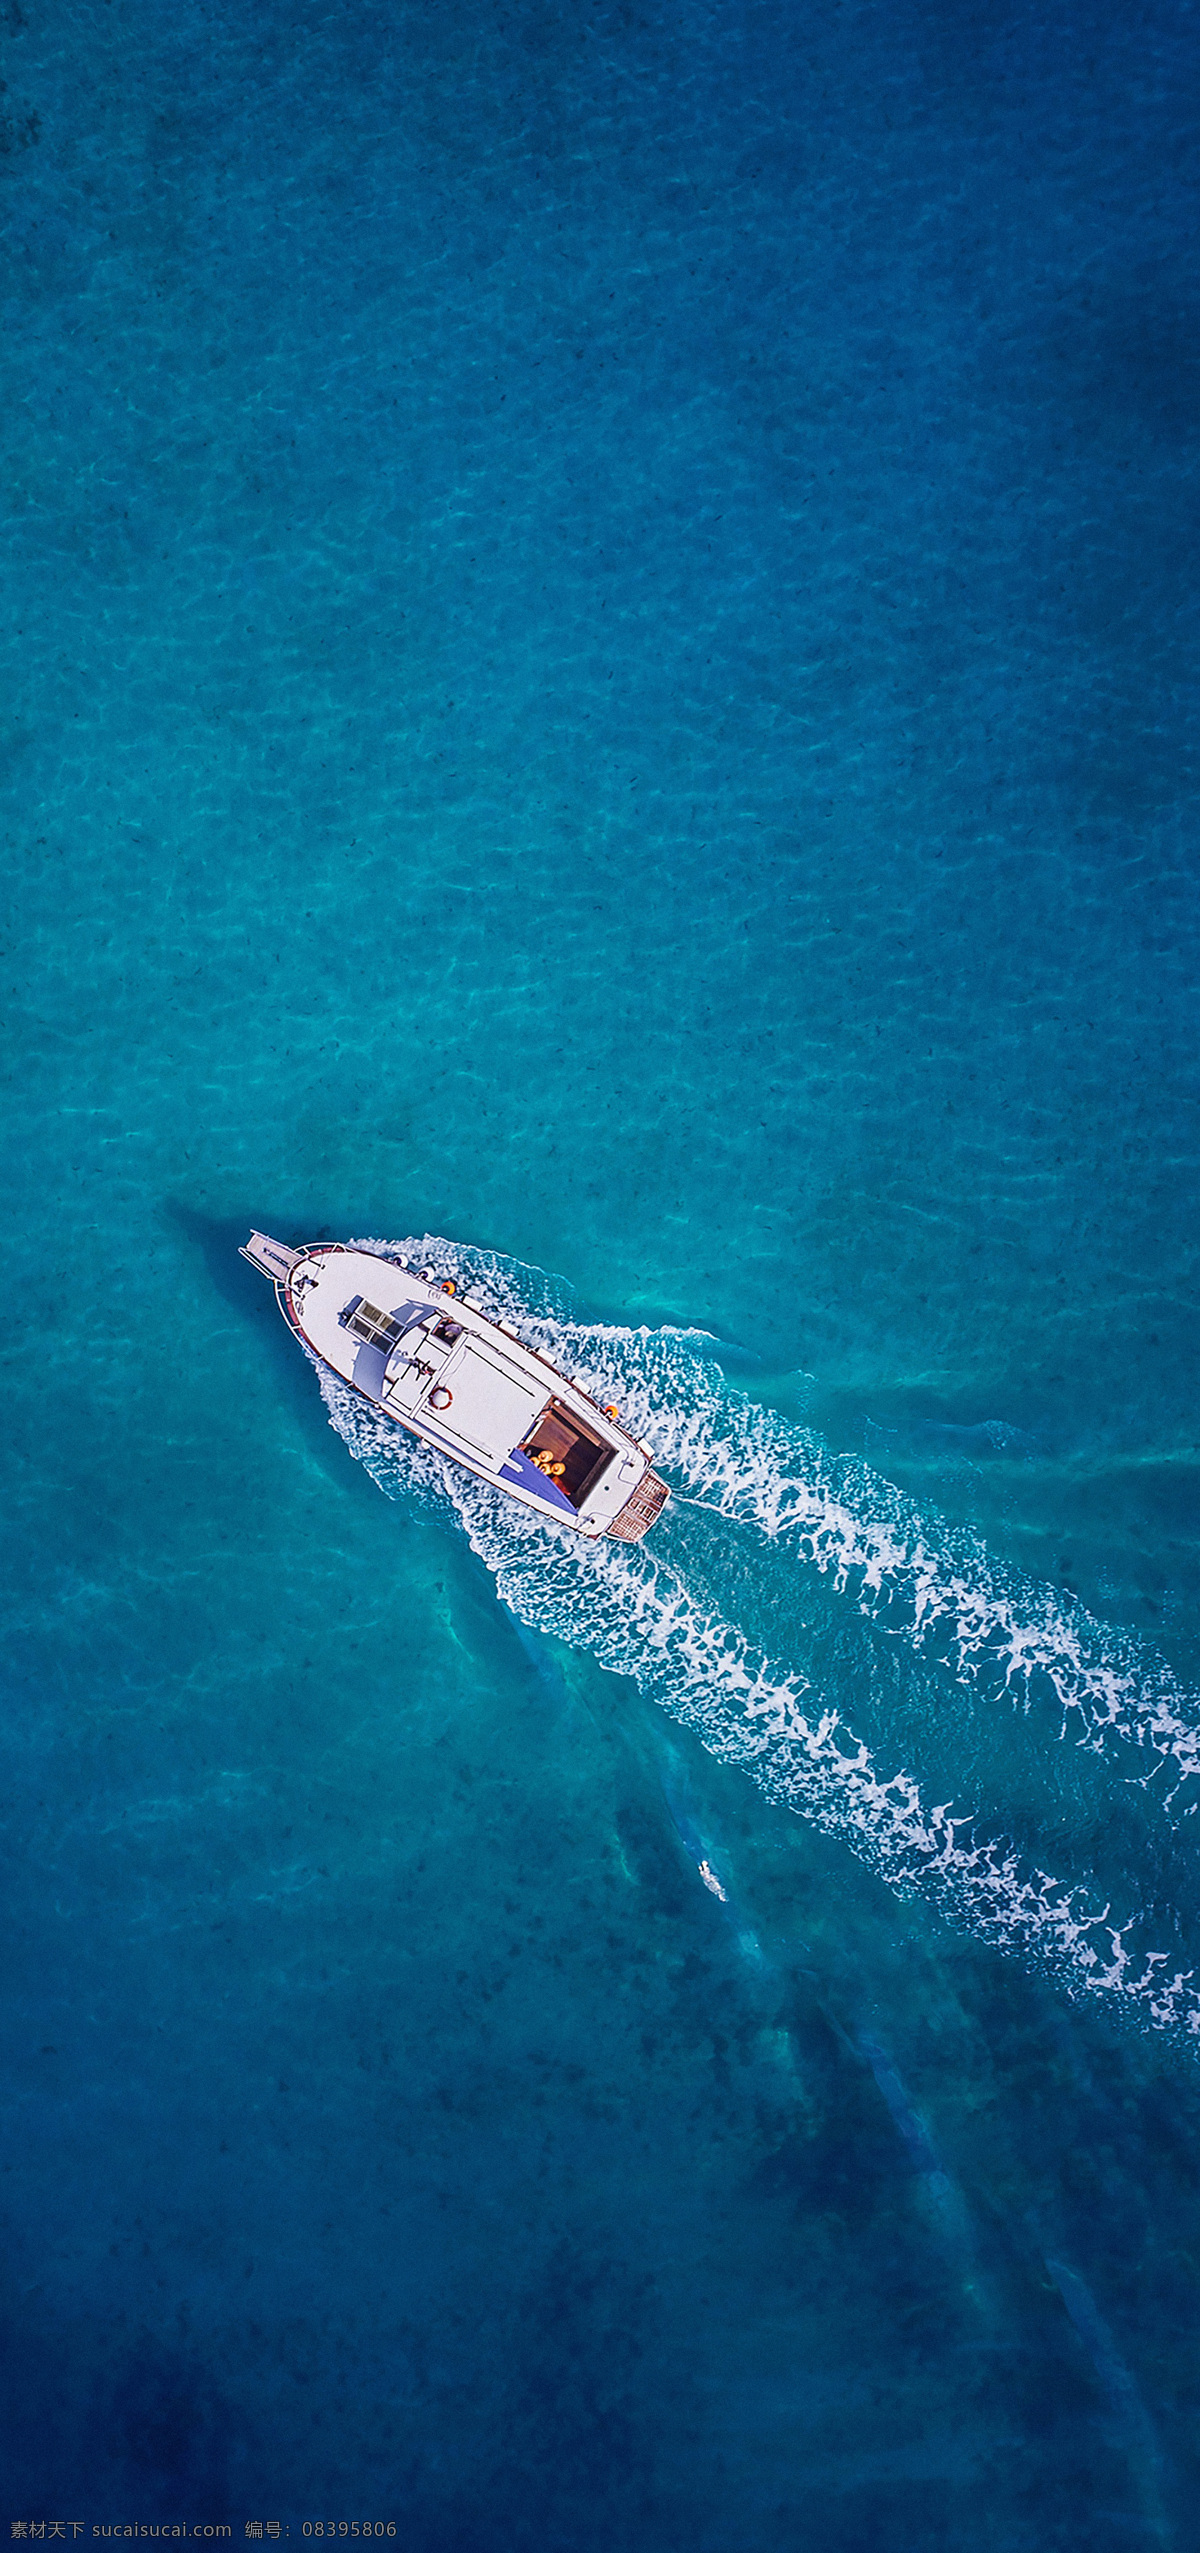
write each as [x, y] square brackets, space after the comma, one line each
[599, 645]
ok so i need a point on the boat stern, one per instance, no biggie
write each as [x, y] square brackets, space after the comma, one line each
[641, 1511]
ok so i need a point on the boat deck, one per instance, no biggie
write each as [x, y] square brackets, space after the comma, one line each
[466, 1384]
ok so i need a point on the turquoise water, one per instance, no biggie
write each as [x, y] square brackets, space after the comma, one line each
[598, 676]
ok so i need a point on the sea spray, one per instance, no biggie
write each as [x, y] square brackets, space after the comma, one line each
[633, 1608]
[918, 1577]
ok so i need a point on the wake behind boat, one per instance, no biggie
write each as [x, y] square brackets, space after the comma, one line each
[430, 1359]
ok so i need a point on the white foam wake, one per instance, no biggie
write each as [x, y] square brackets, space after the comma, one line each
[917, 1576]
[637, 1615]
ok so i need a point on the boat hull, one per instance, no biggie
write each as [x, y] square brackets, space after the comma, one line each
[431, 1361]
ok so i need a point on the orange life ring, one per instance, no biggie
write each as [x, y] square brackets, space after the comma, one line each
[611, 1410]
[449, 1286]
[440, 1398]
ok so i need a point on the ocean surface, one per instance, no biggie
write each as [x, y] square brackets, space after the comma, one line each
[599, 636]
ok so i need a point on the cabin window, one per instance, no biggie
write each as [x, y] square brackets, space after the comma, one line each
[379, 1329]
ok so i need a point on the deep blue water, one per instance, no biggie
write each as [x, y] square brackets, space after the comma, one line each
[599, 637]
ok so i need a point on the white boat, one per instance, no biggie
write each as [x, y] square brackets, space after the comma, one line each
[425, 1355]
